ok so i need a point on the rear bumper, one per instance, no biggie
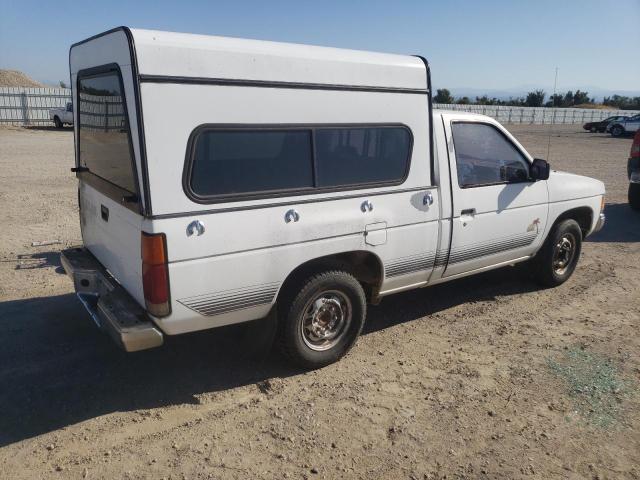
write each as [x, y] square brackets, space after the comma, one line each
[109, 305]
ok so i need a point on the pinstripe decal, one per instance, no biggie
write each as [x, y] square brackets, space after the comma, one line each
[441, 258]
[483, 249]
[231, 300]
[415, 263]
[405, 265]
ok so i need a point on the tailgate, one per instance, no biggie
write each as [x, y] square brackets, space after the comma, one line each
[112, 233]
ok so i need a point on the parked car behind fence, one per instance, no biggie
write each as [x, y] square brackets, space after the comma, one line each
[601, 125]
[627, 126]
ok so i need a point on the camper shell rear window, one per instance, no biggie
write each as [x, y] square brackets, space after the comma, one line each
[105, 152]
[248, 162]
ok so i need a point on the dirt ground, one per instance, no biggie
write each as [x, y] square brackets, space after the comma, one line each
[471, 379]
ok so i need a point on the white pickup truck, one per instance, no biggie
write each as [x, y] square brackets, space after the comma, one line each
[292, 184]
[62, 116]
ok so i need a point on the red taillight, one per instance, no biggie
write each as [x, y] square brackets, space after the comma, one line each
[155, 274]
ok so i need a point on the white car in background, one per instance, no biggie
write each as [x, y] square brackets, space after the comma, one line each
[624, 127]
[62, 116]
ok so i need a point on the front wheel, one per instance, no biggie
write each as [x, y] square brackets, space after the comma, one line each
[57, 122]
[558, 257]
[617, 131]
[323, 320]
[634, 196]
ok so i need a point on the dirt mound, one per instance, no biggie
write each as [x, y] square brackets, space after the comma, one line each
[14, 78]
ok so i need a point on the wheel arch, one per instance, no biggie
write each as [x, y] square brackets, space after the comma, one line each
[364, 265]
[583, 215]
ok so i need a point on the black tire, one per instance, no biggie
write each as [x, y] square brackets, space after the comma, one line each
[634, 196]
[617, 131]
[57, 122]
[593, 130]
[553, 265]
[329, 301]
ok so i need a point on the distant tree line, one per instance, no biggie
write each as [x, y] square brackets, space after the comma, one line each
[536, 98]
[622, 102]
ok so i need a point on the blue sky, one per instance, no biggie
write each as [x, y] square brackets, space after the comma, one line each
[486, 45]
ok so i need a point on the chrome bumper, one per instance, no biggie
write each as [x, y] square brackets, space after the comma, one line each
[109, 305]
[600, 223]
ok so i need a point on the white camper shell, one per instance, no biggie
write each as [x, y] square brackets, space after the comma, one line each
[221, 180]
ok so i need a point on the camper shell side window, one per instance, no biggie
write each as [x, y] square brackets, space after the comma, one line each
[105, 151]
[226, 163]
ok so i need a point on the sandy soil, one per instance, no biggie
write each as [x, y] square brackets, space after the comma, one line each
[455, 381]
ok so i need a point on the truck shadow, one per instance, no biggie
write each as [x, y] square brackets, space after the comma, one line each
[622, 225]
[57, 369]
[29, 261]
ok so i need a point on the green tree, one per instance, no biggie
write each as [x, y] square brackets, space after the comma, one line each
[535, 98]
[485, 100]
[443, 95]
[555, 100]
[622, 102]
[567, 101]
[463, 101]
[62, 84]
[580, 97]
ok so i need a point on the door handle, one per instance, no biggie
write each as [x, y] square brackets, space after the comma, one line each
[468, 211]
[427, 199]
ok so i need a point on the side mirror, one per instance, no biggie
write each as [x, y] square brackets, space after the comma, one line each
[540, 169]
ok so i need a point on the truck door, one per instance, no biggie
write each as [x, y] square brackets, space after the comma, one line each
[499, 214]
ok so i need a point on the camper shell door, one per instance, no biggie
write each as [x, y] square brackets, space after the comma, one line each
[110, 156]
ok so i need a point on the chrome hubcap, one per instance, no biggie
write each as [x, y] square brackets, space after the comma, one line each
[564, 253]
[326, 319]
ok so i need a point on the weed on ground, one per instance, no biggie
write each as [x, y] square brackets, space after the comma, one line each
[595, 385]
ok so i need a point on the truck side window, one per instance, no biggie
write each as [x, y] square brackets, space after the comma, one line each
[484, 156]
[228, 162]
[241, 161]
[351, 156]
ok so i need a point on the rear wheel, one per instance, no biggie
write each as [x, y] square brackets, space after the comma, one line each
[321, 322]
[634, 196]
[617, 130]
[57, 122]
[558, 257]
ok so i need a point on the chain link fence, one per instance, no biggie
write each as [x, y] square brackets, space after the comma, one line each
[537, 115]
[30, 106]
